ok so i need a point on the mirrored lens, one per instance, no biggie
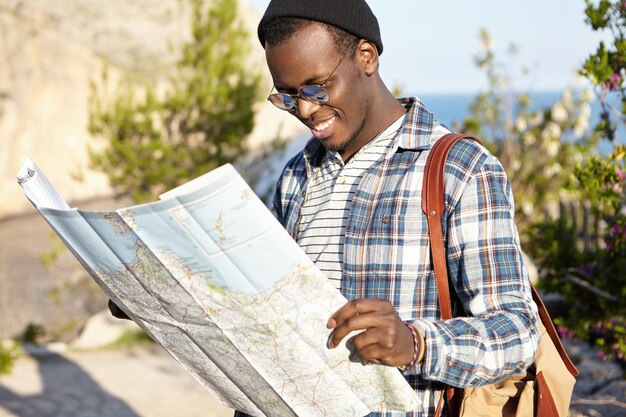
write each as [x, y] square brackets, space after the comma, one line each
[282, 101]
[314, 93]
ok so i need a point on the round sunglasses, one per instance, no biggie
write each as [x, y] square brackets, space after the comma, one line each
[312, 93]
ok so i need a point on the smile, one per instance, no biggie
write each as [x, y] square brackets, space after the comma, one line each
[324, 125]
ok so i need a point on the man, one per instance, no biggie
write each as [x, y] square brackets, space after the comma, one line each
[352, 200]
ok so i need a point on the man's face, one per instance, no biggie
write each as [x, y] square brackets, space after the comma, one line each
[309, 58]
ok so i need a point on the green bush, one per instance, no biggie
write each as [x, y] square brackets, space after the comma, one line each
[160, 139]
[33, 334]
[539, 147]
[9, 352]
[594, 282]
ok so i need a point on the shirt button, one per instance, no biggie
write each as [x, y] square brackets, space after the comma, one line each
[341, 180]
[385, 220]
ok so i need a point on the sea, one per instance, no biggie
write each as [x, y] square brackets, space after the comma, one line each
[453, 108]
[449, 109]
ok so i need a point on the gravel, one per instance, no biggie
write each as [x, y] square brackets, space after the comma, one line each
[600, 390]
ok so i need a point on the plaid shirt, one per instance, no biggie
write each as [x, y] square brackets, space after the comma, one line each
[387, 255]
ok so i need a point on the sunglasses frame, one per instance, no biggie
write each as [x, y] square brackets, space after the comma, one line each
[280, 97]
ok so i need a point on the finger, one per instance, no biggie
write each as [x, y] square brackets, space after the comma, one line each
[375, 354]
[375, 345]
[360, 322]
[355, 307]
[392, 346]
[367, 338]
[356, 357]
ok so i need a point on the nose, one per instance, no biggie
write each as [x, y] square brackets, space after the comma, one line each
[306, 108]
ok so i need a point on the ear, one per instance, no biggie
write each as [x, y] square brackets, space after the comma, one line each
[367, 56]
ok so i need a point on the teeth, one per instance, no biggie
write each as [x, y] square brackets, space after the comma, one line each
[323, 126]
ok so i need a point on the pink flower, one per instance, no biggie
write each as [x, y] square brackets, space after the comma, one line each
[614, 83]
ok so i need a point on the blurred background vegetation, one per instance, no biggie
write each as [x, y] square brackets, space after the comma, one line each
[553, 161]
[158, 140]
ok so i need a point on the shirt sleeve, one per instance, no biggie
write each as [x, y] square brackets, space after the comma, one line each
[500, 334]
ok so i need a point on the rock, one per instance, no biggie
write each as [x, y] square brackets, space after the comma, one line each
[600, 389]
[102, 329]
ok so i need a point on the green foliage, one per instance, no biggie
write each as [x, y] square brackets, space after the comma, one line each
[33, 333]
[564, 267]
[610, 337]
[605, 68]
[597, 15]
[9, 352]
[594, 283]
[538, 148]
[160, 137]
[602, 181]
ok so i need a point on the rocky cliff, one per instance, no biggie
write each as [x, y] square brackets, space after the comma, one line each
[50, 51]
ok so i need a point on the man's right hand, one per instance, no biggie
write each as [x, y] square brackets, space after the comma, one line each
[385, 338]
[116, 311]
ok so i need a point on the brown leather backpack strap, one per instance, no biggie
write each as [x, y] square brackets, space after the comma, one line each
[545, 318]
[433, 205]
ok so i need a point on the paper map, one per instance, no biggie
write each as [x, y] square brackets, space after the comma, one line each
[211, 275]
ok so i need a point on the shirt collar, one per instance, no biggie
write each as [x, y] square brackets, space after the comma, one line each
[416, 133]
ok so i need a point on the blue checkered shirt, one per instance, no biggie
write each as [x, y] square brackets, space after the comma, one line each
[387, 255]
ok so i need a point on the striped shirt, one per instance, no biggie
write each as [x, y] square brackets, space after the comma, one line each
[386, 254]
[326, 207]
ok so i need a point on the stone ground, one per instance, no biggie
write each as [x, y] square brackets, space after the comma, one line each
[600, 390]
[143, 381]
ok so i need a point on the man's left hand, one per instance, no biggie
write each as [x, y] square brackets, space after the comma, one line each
[386, 339]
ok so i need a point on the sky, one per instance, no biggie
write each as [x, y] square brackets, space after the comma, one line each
[429, 46]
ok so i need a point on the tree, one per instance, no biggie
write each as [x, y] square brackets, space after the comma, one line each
[160, 139]
[539, 147]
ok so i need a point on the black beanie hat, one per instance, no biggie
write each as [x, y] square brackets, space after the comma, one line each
[353, 16]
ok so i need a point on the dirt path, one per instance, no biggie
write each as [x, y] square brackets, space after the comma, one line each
[143, 381]
[57, 295]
